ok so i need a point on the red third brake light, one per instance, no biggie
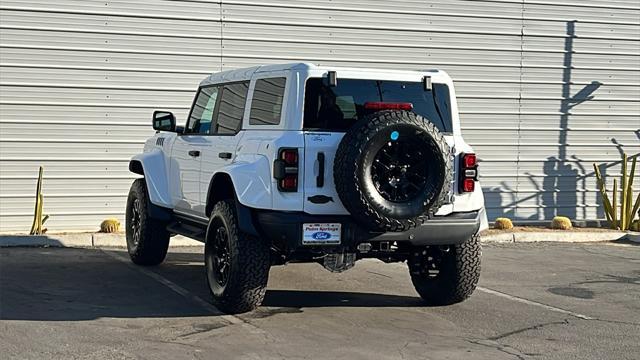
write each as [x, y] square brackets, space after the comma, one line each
[379, 105]
[469, 160]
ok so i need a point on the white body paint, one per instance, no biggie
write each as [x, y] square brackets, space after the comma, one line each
[180, 182]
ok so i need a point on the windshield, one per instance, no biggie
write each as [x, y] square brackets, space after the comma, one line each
[338, 108]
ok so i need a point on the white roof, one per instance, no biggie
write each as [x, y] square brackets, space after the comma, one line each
[246, 73]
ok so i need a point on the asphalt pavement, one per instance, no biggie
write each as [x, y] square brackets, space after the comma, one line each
[535, 301]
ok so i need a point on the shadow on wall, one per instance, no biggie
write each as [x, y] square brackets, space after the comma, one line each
[559, 188]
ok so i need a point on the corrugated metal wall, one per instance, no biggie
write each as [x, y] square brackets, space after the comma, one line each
[545, 87]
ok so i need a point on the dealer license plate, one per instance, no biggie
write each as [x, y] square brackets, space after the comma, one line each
[321, 234]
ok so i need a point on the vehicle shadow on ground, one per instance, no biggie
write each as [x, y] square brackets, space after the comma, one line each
[310, 298]
[66, 284]
[187, 269]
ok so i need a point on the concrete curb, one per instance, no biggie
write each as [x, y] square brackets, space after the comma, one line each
[85, 240]
[88, 240]
[633, 236]
[553, 236]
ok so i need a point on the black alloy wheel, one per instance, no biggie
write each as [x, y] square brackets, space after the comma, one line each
[221, 259]
[135, 224]
[399, 170]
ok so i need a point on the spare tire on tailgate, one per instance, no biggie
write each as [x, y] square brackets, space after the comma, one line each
[392, 169]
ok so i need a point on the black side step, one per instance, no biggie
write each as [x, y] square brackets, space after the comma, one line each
[192, 231]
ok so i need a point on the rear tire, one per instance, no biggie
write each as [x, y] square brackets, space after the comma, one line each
[147, 238]
[237, 265]
[458, 272]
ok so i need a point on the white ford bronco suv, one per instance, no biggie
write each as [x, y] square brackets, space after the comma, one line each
[302, 163]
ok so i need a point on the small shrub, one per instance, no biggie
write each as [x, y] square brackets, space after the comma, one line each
[561, 223]
[503, 224]
[110, 226]
[635, 226]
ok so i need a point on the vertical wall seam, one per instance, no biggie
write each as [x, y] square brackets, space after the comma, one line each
[221, 35]
[519, 136]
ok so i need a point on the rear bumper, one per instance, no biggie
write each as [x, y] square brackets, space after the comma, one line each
[284, 229]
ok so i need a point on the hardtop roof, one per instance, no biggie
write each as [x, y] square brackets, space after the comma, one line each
[247, 72]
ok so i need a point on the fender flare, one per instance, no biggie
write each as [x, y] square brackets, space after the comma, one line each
[152, 166]
[251, 178]
[248, 181]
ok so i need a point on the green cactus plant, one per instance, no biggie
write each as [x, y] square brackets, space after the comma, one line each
[503, 224]
[561, 223]
[628, 209]
[38, 218]
[111, 225]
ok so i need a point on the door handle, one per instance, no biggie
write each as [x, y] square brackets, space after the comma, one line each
[320, 177]
[194, 153]
[225, 155]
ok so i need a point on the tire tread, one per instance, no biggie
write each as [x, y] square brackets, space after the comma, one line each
[154, 237]
[251, 261]
[457, 281]
[346, 170]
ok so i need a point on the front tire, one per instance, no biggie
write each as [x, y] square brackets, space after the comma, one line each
[147, 238]
[237, 265]
[446, 275]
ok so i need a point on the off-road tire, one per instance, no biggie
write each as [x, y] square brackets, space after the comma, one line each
[458, 277]
[153, 241]
[249, 258]
[362, 142]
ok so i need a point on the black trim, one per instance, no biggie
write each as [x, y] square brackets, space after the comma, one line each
[284, 230]
[320, 177]
[196, 228]
[193, 231]
[135, 167]
[159, 212]
[245, 220]
[320, 199]
[280, 169]
[462, 175]
[191, 219]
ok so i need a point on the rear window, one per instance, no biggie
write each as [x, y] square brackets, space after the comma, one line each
[266, 106]
[231, 108]
[338, 108]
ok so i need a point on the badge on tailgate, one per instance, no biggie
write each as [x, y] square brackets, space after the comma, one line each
[321, 234]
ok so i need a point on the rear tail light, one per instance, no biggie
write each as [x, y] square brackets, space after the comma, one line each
[378, 105]
[290, 156]
[289, 183]
[469, 160]
[468, 185]
[285, 169]
[468, 173]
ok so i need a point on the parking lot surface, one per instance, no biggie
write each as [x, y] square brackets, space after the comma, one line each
[535, 301]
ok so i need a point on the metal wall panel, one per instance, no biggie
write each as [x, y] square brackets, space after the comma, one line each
[79, 80]
[545, 87]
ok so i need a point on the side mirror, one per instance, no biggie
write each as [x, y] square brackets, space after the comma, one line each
[164, 121]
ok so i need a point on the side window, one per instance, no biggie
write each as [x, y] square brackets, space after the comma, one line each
[266, 105]
[231, 108]
[202, 112]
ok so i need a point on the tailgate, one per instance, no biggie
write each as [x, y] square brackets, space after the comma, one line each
[320, 196]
